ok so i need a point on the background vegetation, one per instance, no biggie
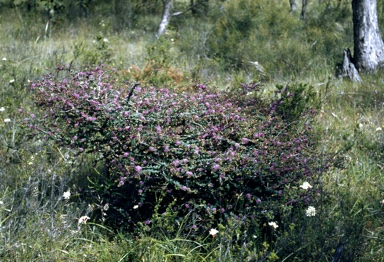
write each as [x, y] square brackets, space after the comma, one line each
[220, 46]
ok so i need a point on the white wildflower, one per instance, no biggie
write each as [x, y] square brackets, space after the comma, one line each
[83, 220]
[11, 81]
[213, 232]
[2, 109]
[1, 202]
[382, 202]
[67, 194]
[305, 185]
[378, 129]
[4, 59]
[273, 224]
[135, 207]
[7, 120]
[105, 40]
[310, 212]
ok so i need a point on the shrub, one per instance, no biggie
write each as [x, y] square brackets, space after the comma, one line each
[214, 155]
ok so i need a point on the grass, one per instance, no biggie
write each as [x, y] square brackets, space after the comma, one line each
[36, 224]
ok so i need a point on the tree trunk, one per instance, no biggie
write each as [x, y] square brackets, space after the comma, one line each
[166, 17]
[293, 5]
[303, 9]
[347, 68]
[368, 44]
[193, 8]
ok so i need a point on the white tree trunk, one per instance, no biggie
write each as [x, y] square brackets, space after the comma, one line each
[166, 17]
[368, 44]
[348, 69]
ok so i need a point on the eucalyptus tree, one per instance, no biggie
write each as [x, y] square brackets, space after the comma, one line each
[367, 41]
[303, 9]
[293, 7]
[167, 14]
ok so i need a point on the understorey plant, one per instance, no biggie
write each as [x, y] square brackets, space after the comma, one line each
[213, 156]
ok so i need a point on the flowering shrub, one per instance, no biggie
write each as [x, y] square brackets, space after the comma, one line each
[216, 154]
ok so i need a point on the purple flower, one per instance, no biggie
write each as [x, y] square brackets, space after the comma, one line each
[201, 86]
[216, 167]
[126, 154]
[189, 174]
[184, 188]
[248, 196]
[166, 149]
[176, 162]
[138, 169]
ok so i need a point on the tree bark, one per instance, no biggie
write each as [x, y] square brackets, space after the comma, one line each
[368, 44]
[193, 8]
[303, 9]
[166, 17]
[348, 69]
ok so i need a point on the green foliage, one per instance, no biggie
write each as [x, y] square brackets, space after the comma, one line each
[294, 103]
[159, 70]
[97, 52]
[247, 31]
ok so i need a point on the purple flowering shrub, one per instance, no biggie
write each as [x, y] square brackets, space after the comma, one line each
[220, 155]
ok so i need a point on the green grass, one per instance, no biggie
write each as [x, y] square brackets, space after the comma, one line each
[36, 224]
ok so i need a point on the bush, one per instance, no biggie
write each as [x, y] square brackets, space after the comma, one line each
[216, 156]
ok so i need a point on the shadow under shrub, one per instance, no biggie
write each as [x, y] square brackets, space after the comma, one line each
[221, 155]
